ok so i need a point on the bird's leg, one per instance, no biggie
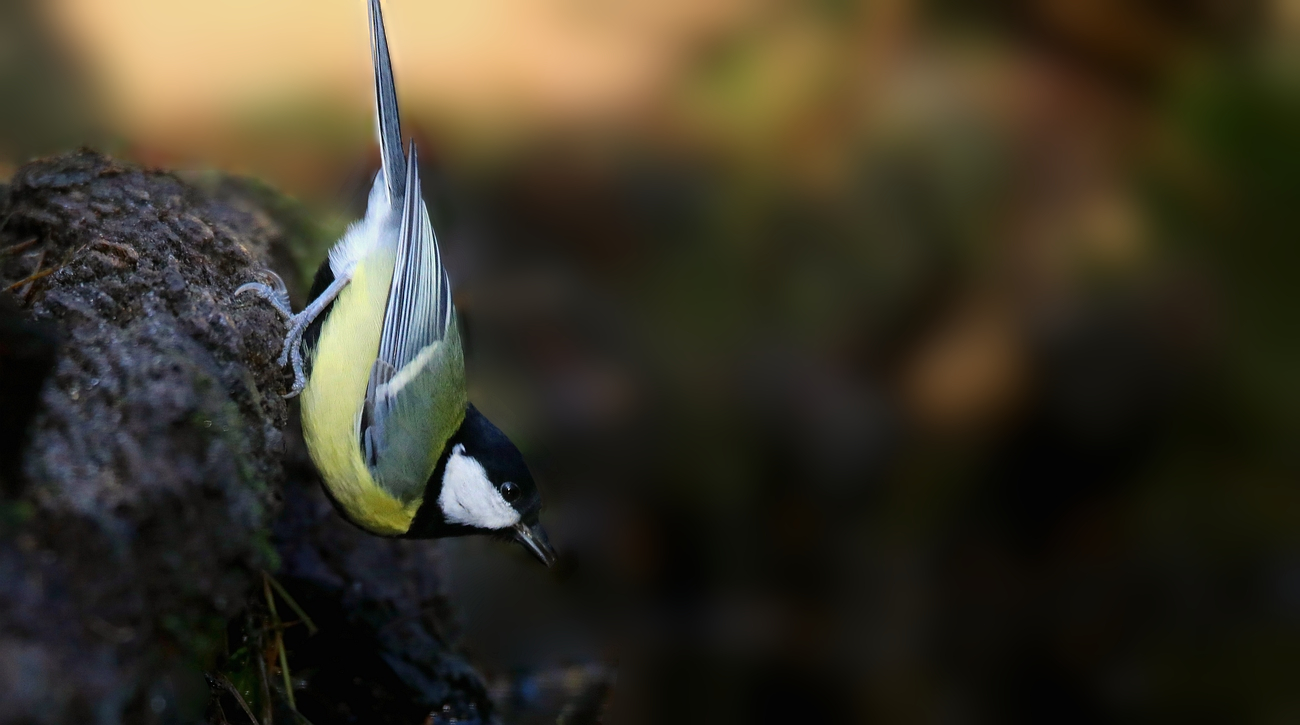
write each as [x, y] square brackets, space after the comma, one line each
[275, 293]
[278, 295]
[291, 353]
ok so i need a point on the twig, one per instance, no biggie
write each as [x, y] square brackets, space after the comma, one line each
[46, 272]
[16, 248]
[279, 641]
[311, 626]
[230, 687]
[262, 680]
[31, 286]
[32, 278]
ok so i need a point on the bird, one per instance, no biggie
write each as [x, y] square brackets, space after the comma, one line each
[378, 361]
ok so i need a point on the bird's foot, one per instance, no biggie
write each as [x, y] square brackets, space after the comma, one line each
[291, 351]
[295, 349]
[273, 291]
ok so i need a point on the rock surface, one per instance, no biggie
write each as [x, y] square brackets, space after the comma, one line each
[136, 526]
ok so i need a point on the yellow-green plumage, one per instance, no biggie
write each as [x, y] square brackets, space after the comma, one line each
[335, 392]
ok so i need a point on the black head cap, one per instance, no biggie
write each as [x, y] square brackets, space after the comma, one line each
[502, 461]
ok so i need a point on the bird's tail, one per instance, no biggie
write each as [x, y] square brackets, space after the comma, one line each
[389, 125]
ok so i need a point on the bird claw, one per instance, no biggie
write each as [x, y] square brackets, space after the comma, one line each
[275, 292]
[291, 350]
[299, 377]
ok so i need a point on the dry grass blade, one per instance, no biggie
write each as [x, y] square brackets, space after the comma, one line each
[302, 615]
[263, 681]
[234, 692]
[279, 641]
[16, 248]
[31, 278]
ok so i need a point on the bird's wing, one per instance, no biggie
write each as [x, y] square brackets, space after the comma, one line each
[415, 398]
[389, 124]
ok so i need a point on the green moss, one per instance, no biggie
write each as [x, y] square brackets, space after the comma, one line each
[14, 514]
[200, 637]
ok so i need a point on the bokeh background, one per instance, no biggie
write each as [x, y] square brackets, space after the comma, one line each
[898, 361]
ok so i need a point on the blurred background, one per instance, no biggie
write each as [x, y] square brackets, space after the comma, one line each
[897, 361]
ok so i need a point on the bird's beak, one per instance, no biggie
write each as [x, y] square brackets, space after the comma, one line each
[534, 539]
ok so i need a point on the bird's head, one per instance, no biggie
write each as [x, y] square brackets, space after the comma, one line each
[483, 486]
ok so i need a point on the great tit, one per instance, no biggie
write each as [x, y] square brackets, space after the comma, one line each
[401, 450]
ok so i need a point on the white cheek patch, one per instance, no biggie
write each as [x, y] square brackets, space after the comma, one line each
[469, 498]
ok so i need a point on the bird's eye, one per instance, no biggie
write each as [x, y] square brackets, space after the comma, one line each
[509, 491]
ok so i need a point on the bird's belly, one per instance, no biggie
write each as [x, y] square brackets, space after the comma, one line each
[332, 400]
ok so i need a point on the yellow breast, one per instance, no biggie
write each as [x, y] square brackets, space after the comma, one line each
[331, 402]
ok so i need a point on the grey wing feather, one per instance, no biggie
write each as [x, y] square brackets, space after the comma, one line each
[415, 398]
[419, 299]
[390, 126]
